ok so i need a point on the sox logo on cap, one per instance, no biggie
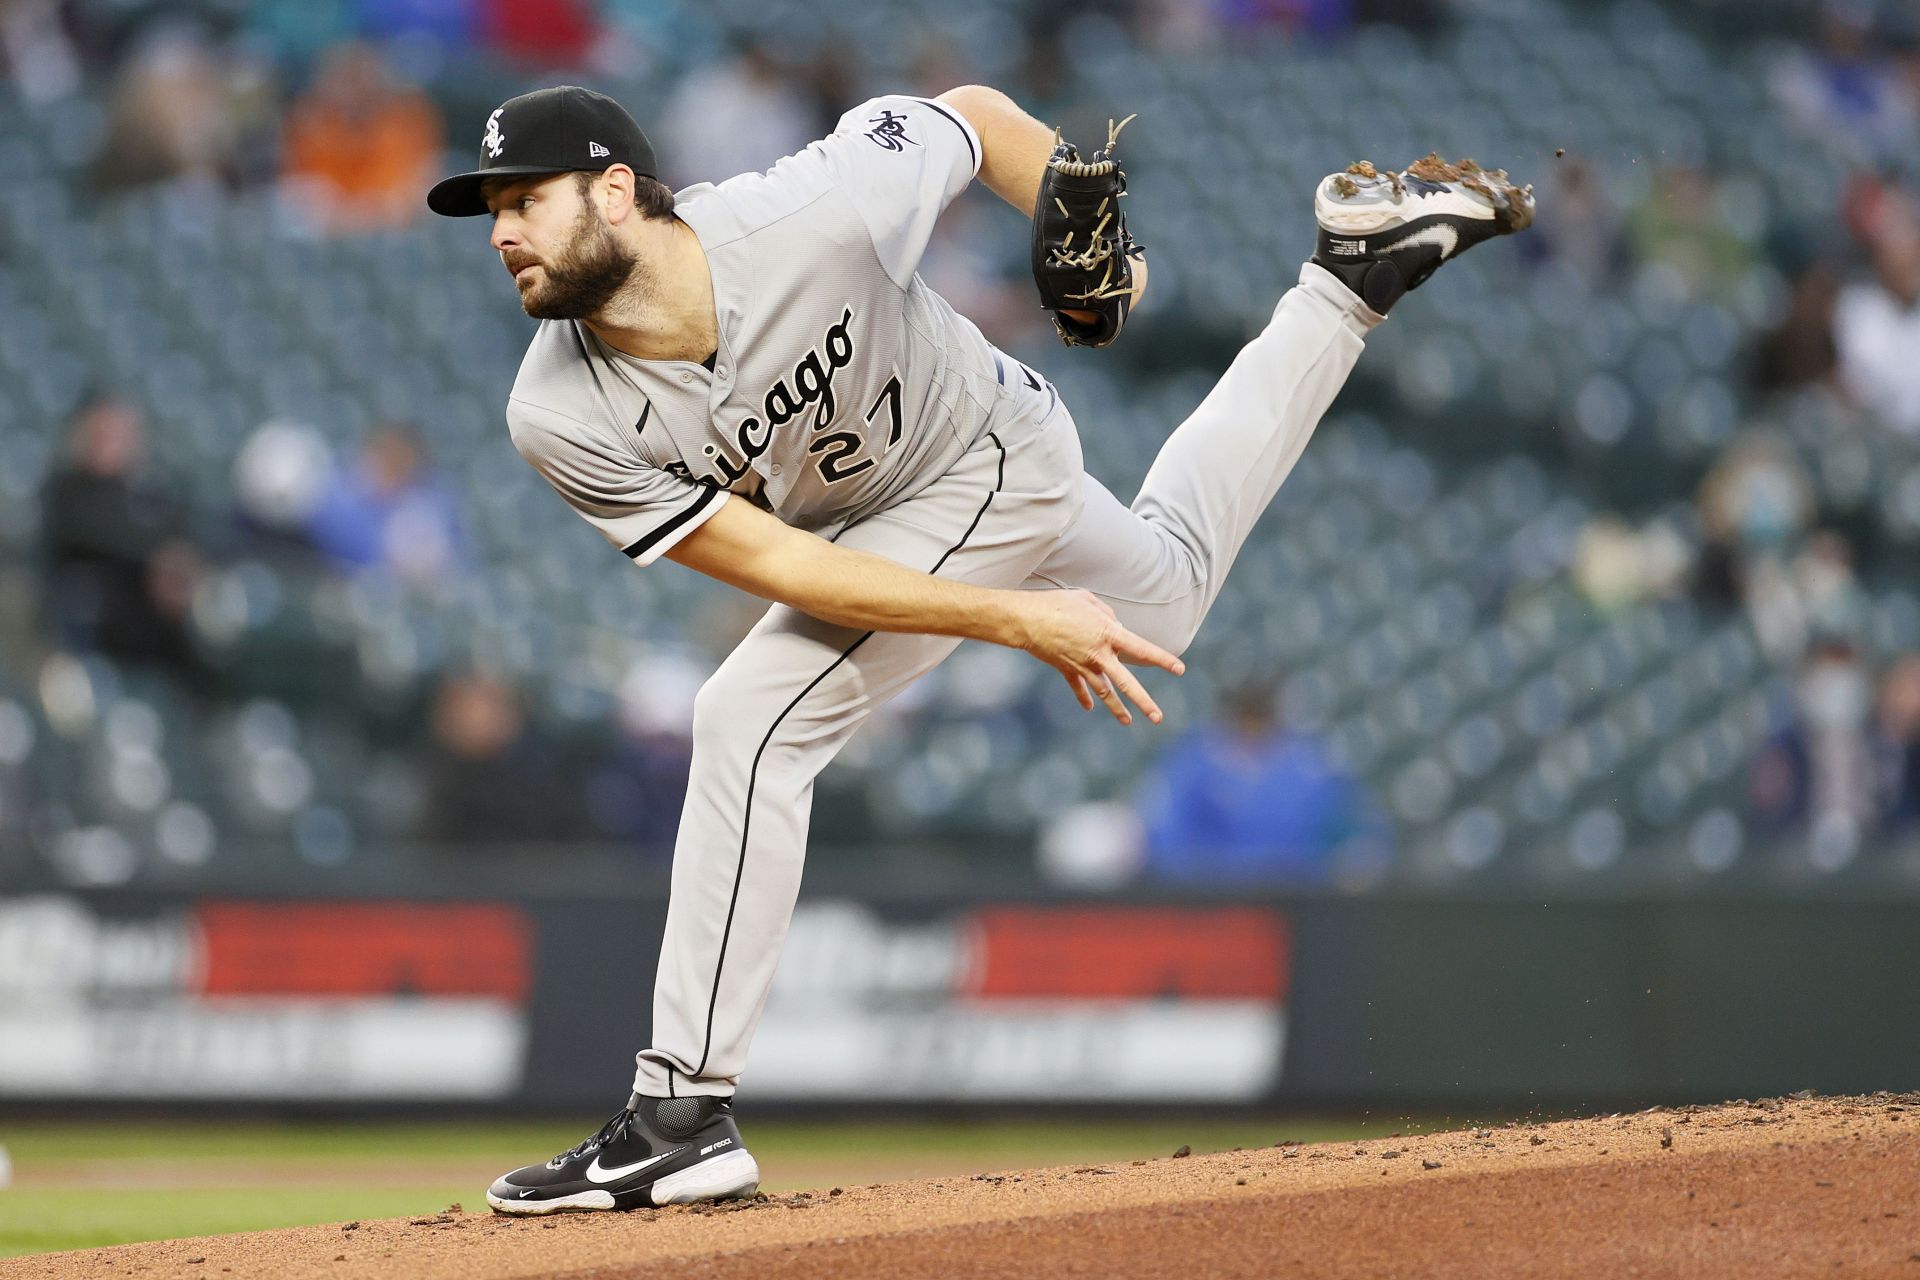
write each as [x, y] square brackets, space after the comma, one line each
[557, 130]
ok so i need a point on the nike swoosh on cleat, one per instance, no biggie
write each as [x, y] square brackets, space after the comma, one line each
[1441, 236]
[596, 1172]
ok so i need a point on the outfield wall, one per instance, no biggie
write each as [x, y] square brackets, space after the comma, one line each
[1250, 1001]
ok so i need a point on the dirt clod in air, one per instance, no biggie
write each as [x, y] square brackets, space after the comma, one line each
[1182, 1152]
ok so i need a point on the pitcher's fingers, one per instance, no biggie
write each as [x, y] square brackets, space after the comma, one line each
[1111, 696]
[1077, 683]
[1135, 648]
[1128, 684]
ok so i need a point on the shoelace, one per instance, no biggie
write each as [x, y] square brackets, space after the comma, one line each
[608, 1132]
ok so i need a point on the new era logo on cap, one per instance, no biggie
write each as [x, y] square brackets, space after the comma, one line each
[549, 131]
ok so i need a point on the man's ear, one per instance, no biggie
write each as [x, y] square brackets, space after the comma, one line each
[618, 183]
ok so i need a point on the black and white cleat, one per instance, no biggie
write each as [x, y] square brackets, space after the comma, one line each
[656, 1151]
[1384, 233]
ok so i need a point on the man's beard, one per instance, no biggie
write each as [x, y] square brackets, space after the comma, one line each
[584, 278]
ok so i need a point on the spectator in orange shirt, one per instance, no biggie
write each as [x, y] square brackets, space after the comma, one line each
[361, 143]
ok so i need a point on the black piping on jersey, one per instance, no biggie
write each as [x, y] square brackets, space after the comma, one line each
[965, 132]
[746, 818]
[665, 527]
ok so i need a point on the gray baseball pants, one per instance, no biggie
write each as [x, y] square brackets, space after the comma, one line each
[1015, 511]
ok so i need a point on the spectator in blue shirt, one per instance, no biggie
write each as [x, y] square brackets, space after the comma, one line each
[390, 511]
[1245, 801]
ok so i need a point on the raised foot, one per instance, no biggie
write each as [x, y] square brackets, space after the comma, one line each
[1383, 232]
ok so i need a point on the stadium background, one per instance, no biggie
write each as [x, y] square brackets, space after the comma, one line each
[339, 762]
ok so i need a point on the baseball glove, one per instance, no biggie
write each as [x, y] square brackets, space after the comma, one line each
[1082, 253]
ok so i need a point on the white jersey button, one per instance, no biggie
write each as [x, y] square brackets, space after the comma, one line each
[775, 468]
[686, 375]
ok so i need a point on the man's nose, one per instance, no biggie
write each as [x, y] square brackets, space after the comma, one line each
[504, 234]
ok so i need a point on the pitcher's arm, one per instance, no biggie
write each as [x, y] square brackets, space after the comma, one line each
[1075, 632]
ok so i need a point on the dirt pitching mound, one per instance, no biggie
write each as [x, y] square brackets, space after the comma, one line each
[1778, 1187]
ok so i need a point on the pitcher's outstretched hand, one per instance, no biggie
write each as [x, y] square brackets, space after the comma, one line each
[1076, 633]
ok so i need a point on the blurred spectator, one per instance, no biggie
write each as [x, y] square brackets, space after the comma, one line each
[735, 115]
[1754, 504]
[280, 477]
[361, 144]
[635, 793]
[298, 32]
[1198, 24]
[1792, 600]
[37, 53]
[540, 33]
[1817, 774]
[1877, 325]
[445, 24]
[1828, 591]
[390, 511]
[1800, 349]
[1616, 565]
[120, 572]
[1844, 91]
[1896, 745]
[1098, 845]
[1867, 200]
[489, 778]
[1319, 18]
[1246, 801]
[1681, 226]
[170, 118]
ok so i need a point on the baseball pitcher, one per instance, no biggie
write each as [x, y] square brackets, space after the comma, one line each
[750, 379]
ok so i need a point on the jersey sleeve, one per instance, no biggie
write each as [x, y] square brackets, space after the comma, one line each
[902, 161]
[639, 508]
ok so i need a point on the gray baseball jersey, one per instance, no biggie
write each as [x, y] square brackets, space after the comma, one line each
[841, 384]
[846, 395]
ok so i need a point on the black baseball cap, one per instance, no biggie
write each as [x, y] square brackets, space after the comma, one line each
[556, 130]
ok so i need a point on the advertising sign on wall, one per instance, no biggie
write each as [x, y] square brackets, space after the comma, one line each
[1027, 1003]
[1347, 1003]
[259, 1000]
